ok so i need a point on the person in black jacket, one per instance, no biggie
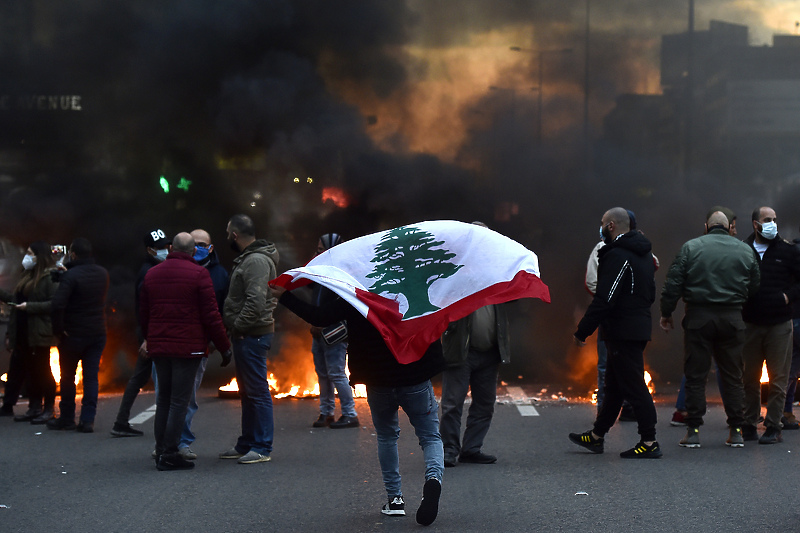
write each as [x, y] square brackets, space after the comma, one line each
[156, 244]
[788, 420]
[390, 385]
[768, 320]
[621, 308]
[79, 323]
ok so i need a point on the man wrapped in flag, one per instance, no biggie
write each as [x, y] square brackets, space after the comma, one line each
[399, 290]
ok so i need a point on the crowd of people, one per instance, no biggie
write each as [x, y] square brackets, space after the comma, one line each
[740, 298]
[742, 305]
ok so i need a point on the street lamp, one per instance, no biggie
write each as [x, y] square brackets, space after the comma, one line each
[540, 53]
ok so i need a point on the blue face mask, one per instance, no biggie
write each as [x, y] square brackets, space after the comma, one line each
[201, 254]
[162, 254]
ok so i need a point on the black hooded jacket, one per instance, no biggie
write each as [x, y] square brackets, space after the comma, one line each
[626, 288]
[780, 274]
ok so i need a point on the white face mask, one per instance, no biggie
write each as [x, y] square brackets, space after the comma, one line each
[769, 230]
[28, 262]
[162, 254]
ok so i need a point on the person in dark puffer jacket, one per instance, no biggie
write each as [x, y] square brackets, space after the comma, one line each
[179, 315]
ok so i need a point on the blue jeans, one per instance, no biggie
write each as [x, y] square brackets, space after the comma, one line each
[176, 382]
[250, 354]
[419, 404]
[87, 350]
[187, 437]
[329, 363]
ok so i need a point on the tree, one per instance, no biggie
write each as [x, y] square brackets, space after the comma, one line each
[408, 261]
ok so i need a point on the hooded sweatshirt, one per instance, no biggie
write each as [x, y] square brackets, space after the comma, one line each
[249, 304]
[626, 289]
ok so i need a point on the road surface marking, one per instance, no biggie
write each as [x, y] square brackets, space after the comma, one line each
[144, 416]
[522, 402]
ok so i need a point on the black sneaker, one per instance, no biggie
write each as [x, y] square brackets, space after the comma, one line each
[46, 415]
[126, 430]
[29, 415]
[749, 433]
[394, 507]
[771, 435]
[587, 441]
[61, 424]
[429, 506]
[323, 421]
[477, 458]
[85, 427]
[642, 451]
[345, 422]
[450, 460]
[173, 461]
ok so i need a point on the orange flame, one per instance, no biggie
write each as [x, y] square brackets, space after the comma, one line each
[55, 368]
[764, 375]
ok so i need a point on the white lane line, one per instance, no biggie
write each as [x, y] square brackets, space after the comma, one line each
[522, 401]
[527, 410]
[144, 416]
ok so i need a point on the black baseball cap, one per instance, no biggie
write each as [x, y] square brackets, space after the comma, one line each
[156, 239]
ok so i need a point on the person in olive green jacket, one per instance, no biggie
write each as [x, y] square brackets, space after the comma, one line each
[247, 314]
[29, 336]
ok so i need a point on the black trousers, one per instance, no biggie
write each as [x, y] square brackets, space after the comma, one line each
[625, 381]
[175, 386]
[140, 377]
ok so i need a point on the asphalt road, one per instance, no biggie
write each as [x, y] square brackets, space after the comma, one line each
[323, 480]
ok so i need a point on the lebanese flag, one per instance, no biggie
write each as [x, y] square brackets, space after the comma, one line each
[412, 281]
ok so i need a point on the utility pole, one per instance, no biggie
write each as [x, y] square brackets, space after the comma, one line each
[688, 119]
[587, 146]
[540, 54]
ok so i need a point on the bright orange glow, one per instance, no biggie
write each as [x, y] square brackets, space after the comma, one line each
[336, 195]
[764, 375]
[648, 380]
[293, 370]
[56, 369]
[230, 387]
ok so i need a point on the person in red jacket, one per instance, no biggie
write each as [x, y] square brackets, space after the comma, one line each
[179, 315]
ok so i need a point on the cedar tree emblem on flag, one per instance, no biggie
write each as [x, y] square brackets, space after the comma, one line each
[408, 262]
[412, 281]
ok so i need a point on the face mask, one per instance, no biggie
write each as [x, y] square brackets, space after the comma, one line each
[28, 262]
[606, 236]
[769, 230]
[162, 254]
[201, 254]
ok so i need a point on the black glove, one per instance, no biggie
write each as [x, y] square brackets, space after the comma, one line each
[226, 358]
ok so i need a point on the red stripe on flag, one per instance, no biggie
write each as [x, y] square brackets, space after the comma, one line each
[285, 281]
[409, 339]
